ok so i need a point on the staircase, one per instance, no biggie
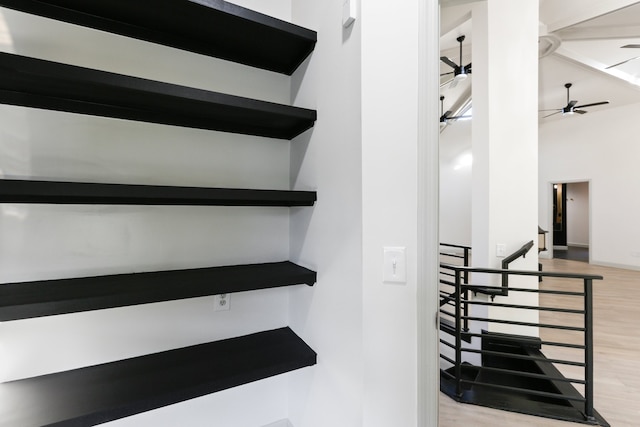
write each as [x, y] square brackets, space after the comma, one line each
[510, 371]
[109, 391]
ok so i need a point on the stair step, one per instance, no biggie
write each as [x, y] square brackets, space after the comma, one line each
[102, 393]
[37, 83]
[447, 326]
[24, 300]
[59, 192]
[213, 27]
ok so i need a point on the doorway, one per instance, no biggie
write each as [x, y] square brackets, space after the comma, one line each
[571, 237]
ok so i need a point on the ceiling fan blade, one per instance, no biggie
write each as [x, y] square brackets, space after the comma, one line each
[552, 114]
[570, 105]
[467, 68]
[445, 116]
[579, 111]
[592, 105]
[446, 74]
[632, 46]
[623, 62]
[550, 109]
[449, 62]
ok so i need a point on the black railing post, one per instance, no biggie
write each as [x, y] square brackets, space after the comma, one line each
[466, 290]
[588, 348]
[458, 367]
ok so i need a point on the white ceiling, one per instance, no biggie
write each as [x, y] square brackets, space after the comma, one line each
[589, 34]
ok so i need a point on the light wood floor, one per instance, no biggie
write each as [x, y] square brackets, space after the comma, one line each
[616, 355]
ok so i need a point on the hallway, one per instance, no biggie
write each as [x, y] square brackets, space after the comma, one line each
[617, 347]
[574, 253]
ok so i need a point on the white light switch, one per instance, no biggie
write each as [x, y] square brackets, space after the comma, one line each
[501, 250]
[395, 265]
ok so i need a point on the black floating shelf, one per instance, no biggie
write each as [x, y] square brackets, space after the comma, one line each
[51, 297]
[37, 83]
[58, 192]
[102, 393]
[210, 27]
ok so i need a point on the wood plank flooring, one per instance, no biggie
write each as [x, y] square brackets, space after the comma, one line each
[616, 354]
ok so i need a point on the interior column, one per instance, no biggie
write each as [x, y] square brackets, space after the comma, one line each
[505, 142]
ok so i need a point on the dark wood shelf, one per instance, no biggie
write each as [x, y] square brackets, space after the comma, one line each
[59, 192]
[52, 297]
[102, 393]
[31, 82]
[209, 27]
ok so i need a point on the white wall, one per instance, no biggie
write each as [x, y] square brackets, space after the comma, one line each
[329, 237]
[597, 148]
[365, 332]
[40, 241]
[390, 88]
[361, 155]
[578, 214]
[456, 165]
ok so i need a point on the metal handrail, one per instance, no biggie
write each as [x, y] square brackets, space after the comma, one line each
[522, 252]
[461, 303]
[466, 259]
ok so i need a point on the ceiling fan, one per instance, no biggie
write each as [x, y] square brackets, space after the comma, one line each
[631, 46]
[446, 116]
[571, 106]
[459, 72]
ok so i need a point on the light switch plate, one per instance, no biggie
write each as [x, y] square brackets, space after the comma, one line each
[394, 265]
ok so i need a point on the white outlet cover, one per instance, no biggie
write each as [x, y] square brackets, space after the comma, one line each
[394, 265]
[221, 302]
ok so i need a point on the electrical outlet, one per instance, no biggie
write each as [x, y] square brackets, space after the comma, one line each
[221, 302]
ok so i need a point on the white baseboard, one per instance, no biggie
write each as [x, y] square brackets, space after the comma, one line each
[615, 265]
[579, 245]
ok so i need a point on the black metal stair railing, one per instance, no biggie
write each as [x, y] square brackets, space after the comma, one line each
[514, 374]
[460, 255]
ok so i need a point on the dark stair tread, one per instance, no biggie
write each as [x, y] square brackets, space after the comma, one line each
[110, 391]
[24, 300]
[31, 82]
[449, 327]
[562, 407]
[59, 192]
[209, 27]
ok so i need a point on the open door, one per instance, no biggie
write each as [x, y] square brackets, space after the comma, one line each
[559, 216]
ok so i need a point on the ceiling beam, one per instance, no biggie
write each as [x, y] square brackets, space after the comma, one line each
[599, 32]
[562, 14]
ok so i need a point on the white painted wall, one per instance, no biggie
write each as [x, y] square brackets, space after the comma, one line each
[361, 155]
[578, 214]
[597, 148]
[329, 237]
[572, 150]
[456, 165]
[41, 241]
[390, 176]
[365, 331]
